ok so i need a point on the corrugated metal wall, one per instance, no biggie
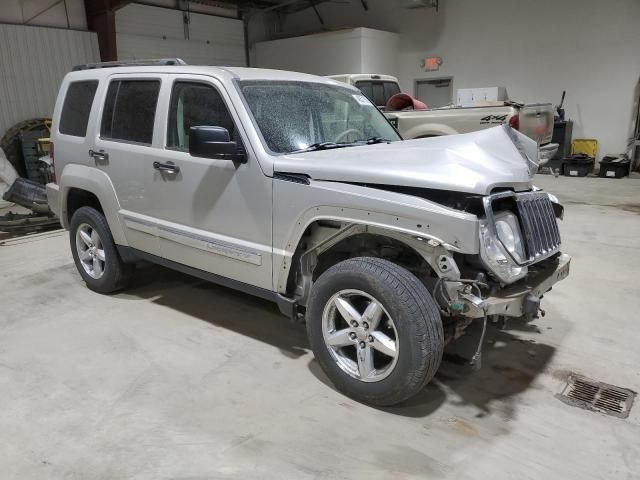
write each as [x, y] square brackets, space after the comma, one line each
[151, 32]
[33, 61]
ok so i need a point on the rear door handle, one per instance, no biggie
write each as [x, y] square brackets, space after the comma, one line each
[100, 156]
[168, 167]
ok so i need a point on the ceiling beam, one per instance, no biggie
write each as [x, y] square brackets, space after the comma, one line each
[101, 19]
[280, 5]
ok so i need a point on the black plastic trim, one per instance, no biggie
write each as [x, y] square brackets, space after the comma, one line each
[127, 254]
[292, 177]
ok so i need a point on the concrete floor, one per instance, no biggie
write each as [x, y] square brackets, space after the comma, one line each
[177, 378]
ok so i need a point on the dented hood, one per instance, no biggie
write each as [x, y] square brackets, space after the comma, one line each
[474, 162]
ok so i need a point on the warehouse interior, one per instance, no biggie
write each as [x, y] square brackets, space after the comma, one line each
[193, 377]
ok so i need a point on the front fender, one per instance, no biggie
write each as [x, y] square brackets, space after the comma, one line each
[97, 182]
[383, 211]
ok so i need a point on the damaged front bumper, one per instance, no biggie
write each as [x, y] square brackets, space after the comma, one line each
[522, 298]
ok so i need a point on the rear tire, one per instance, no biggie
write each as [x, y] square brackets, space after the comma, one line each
[384, 361]
[95, 253]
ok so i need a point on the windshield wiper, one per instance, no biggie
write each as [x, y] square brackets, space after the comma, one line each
[372, 140]
[320, 146]
[327, 145]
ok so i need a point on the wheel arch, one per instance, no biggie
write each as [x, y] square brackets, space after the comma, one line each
[326, 242]
[429, 130]
[77, 198]
[86, 186]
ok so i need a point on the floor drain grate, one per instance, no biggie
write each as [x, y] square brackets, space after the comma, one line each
[597, 396]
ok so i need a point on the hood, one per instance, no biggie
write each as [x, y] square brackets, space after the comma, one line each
[474, 162]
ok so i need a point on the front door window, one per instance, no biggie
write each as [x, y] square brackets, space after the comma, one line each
[195, 105]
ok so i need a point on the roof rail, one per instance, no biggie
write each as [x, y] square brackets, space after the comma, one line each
[157, 62]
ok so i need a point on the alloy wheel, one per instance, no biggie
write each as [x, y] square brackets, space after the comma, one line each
[360, 335]
[90, 250]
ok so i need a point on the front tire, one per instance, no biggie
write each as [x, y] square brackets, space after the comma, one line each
[95, 253]
[375, 330]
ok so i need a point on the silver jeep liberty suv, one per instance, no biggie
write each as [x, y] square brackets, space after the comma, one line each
[295, 188]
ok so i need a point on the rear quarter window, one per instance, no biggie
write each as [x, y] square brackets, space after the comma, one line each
[129, 110]
[77, 107]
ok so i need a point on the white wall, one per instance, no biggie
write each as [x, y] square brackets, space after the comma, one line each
[33, 61]
[46, 13]
[378, 51]
[359, 50]
[152, 32]
[534, 48]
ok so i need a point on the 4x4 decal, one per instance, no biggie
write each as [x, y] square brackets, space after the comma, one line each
[494, 119]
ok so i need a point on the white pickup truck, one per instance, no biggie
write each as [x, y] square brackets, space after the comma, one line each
[535, 120]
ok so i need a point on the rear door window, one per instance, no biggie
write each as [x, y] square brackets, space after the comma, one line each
[77, 107]
[129, 110]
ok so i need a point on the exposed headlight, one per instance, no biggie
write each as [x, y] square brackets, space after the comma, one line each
[508, 231]
[495, 253]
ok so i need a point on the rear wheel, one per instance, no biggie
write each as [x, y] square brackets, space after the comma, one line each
[375, 330]
[95, 253]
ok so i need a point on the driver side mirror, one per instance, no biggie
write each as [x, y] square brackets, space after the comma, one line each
[214, 142]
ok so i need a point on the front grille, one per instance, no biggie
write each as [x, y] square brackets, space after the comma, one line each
[539, 224]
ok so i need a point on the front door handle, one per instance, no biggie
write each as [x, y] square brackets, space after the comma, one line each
[100, 156]
[168, 167]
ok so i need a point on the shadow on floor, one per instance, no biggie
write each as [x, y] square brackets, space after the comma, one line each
[224, 307]
[510, 364]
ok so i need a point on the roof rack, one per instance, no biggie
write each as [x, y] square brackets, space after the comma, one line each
[156, 62]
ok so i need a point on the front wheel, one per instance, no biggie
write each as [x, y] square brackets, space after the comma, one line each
[375, 330]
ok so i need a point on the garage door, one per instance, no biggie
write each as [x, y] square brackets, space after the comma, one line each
[151, 32]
